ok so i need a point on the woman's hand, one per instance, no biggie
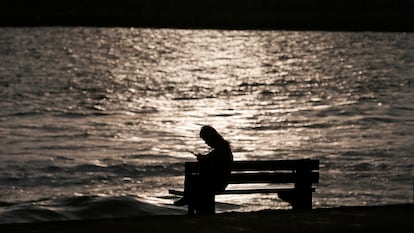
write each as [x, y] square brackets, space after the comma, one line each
[195, 154]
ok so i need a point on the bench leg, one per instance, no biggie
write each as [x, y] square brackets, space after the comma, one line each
[202, 204]
[298, 199]
[208, 205]
[201, 198]
[191, 209]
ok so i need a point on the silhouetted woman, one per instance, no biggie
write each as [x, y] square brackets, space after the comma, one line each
[214, 167]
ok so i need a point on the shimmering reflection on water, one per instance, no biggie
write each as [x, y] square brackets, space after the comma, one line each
[124, 106]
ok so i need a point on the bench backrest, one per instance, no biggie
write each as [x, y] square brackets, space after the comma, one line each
[301, 172]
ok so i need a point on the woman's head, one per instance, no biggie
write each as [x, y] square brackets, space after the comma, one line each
[211, 136]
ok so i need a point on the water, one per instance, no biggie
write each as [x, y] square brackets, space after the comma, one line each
[97, 122]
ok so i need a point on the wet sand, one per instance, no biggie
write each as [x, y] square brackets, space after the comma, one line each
[386, 218]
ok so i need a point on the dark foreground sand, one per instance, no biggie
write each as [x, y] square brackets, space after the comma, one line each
[388, 218]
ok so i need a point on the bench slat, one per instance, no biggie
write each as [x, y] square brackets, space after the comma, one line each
[305, 164]
[276, 177]
[263, 165]
[253, 191]
[241, 191]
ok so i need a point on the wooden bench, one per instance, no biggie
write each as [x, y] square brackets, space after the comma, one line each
[300, 175]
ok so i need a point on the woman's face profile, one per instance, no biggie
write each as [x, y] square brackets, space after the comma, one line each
[207, 141]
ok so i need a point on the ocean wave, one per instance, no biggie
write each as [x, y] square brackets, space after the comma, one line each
[82, 207]
[290, 124]
[84, 174]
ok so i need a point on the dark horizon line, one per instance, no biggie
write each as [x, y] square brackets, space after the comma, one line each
[306, 21]
[332, 15]
[383, 24]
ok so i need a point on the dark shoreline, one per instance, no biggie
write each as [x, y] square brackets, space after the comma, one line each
[332, 15]
[396, 218]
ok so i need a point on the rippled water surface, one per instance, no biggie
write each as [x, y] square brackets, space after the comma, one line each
[109, 115]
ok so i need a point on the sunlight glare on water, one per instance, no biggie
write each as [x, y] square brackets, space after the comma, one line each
[115, 111]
